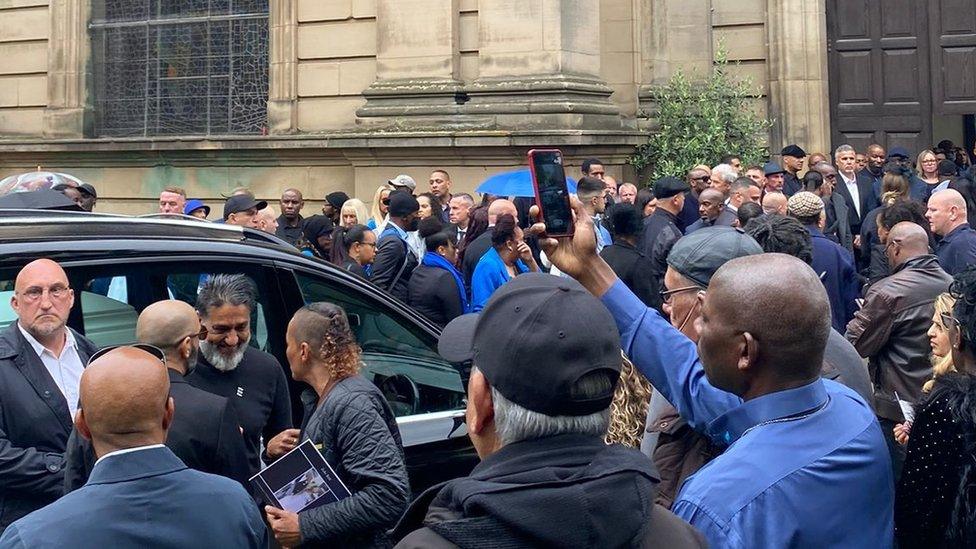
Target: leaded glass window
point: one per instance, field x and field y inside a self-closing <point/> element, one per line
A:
<point x="180" y="67"/>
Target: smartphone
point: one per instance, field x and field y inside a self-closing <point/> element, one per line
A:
<point x="551" y="192"/>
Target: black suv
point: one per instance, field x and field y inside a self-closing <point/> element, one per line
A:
<point x="119" y="265"/>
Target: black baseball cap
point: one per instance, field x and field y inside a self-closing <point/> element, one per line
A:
<point x="536" y="337"/>
<point x="898" y="152"/>
<point x="666" y="187"/>
<point x="402" y="204"/>
<point x="698" y="255"/>
<point x="793" y="150"/>
<point x="242" y="203"/>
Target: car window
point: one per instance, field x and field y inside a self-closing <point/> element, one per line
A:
<point x="399" y="356"/>
<point x="185" y="283"/>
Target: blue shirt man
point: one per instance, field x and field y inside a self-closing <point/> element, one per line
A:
<point x="805" y="464"/>
<point x="957" y="250"/>
<point x="947" y="214"/>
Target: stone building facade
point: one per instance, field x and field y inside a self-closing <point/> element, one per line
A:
<point x="360" y="90"/>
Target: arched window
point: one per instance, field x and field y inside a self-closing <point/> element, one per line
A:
<point x="179" y="67"/>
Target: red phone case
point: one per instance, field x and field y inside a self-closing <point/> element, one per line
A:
<point x="538" y="200"/>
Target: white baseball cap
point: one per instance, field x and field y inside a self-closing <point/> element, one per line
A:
<point x="403" y="180"/>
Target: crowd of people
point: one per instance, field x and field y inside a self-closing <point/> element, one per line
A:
<point x="808" y="329"/>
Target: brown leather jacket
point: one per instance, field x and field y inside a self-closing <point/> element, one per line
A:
<point x="890" y="331"/>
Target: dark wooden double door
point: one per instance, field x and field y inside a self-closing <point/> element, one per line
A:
<point x="893" y="63"/>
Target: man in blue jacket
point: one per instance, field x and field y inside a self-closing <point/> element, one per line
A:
<point x="139" y="493"/>
<point x="806" y="462"/>
<point x="832" y="263"/>
<point x="947" y="218"/>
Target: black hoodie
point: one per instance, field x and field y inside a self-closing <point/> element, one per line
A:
<point x="567" y="491"/>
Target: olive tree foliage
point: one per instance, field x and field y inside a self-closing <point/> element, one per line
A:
<point x="699" y="121"/>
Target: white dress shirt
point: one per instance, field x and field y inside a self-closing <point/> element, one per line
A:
<point x="66" y="369"/>
<point x="855" y="194"/>
<point x="129" y="450"/>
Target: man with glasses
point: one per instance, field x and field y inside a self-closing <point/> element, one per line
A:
<point x="230" y="367"/>
<point x="890" y="328"/>
<point x="41" y="362"/>
<point x="205" y="433"/>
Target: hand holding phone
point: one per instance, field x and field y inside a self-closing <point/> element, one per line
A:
<point x="551" y="191"/>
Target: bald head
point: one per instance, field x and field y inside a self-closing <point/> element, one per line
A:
<point x="711" y="194"/>
<point x="774" y="203"/>
<point x="125" y="401"/>
<point x="43" y="300"/>
<point x="746" y="316"/>
<point x="501" y="207"/>
<point x="907" y="240"/>
<point x="164" y="323"/>
<point x="946" y="211"/>
<point x="39" y="269"/>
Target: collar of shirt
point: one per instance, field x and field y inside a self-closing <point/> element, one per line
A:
<point x="396" y="228"/>
<point x="40" y="349"/>
<point x="129" y="451"/>
<point x="781" y="405"/>
<point x="954" y="233"/>
<point x="848" y="182"/>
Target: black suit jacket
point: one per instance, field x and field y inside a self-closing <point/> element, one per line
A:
<point x="205" y="435"/>
<point x="726" y="218"/>
<point x="472" y="255"/>
<point x="865" y="191"/>
<point x="393" y="265"/>
<point x="34" y="427"/>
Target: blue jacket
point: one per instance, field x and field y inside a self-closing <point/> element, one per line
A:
<point x="145" y="498"/>
<point x="489" y="275"/>
<point x="957" y="250"/>
<point x="835" y="267"/>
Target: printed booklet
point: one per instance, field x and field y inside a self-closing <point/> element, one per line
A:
<point x="299" y="480"/>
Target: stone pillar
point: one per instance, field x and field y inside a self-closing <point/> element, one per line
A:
<point x="798" y="93"/>
<point x="674" y="35"/>
<point x="417" y="63"/>
<point x="540" y="66"/>
<point x="68" y="114"/>
<point x="283" y="75"/>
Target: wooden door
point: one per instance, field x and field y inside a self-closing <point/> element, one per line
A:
<point x="952" y="25"/>
<point x="878" y="59"/>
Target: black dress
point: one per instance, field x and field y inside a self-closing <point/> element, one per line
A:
<point x="935" y="504"/>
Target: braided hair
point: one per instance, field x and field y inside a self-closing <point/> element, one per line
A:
<point x="325" y="327"/>
<point x="781" y="234"/>
<point x="963" y="288"/>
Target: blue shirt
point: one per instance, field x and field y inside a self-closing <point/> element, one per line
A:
<point x="957" y="250"/>
<point x="835" y="267"/>
<point x="489" y="275"/>
<point x="806" y="467"/>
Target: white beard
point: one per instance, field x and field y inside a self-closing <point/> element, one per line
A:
<point x="219" y="360"/>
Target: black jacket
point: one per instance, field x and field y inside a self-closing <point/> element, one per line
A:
<point x="630" y="266"/>
<point x="393" y="265"/>
<point x="726" y="218"/>
<point x="357" y="433"/>
<point x="205" y="435"/>
<point x="258" y="392"/>
<point x="472" y="255"/>
<point x="866" y="198"/>
<point x="434" y="293"/>
<point x="838" y="226"/>
<point x="568" y="491"/>
<point x="660" y="233"/>
<point x="34" y="427"/>
<point x="689" y="213"/>
<point x="890" y="331"/>
<point x="935" y="503"/>
<point x="353" y="267"/>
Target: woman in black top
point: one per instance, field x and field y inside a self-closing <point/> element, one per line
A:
<point x="354" y="249"/>
<point x="436" y="288"/>
<point x="935" y="504"/>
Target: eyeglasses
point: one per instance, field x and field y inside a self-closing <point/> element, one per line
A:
<point x="948" y="321"/>
<point x="666" y="295"/>
<point x="703" y="179"/>
<point x="151" y="349"/>
<point x="35" y="293"/>
<point x="201" y="335"/>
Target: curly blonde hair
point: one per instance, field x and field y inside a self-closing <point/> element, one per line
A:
<point x="629" y="408"/>
<point x="325" y="327"/>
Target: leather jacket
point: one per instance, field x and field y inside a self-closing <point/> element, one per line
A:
<point x="890" y="331"/>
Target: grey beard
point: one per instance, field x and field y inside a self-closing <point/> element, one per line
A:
<point x="220" y="362"/>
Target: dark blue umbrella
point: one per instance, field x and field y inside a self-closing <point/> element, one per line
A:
<point x="516" y="183"/>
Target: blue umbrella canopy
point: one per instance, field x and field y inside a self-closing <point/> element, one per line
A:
<point x="515" y="183"/>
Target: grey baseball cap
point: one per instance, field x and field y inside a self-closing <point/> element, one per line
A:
<point x="701" y="253"/>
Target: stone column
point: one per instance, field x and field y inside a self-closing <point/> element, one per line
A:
<point x="68" y="114"/>
<point x="283" y="75"/>
<point x="417" y="65"/>
<point x="540" y="66"/>
<point x="674" y="35"/>
<point x="798" y="93"/>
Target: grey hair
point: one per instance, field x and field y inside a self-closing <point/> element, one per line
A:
<point x="514" y="423"/>
<point x="843" y="149"/>
<point x="726" y="172"/>
<point x="226" y="289"/>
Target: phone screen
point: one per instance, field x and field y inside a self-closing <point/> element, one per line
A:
<point x="552" y="195"/>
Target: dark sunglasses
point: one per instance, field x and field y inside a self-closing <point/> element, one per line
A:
<point x="151" y="349"/>
<point x="948" y="321"/>
<point x="702" y="178"/>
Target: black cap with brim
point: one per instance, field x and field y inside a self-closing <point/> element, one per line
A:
<point x="666" y="187"/>
<point x="242" y="203"/>
<point x="536" y="337"/>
